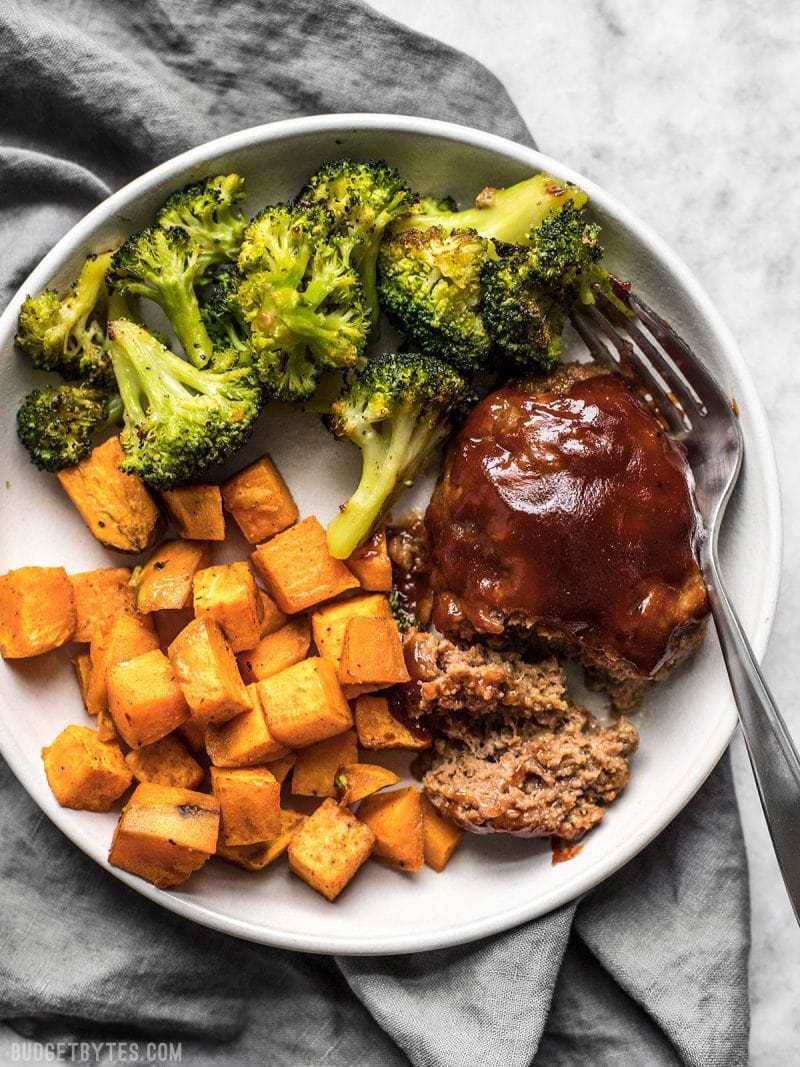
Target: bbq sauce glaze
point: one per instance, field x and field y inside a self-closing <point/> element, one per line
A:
<point x="573" y="510"/>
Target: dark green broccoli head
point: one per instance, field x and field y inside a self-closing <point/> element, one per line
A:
<point x="398" y="410"/>
<point x="429" y="282"/>
<point x="179" y="420"/>
<point x="565" y="247"/>
<point x="301" y="299"/>
<point x="164" y="266"/>
<point x="57" y="424"/>
<point x="205" y="212"/>
<point x="524" y="315"/>
<point x="66" y="334"/>
<point x="219" y="308"/>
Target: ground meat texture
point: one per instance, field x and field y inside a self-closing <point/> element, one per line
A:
<point x="502" y="774"/>
<point x="475" y="680"/>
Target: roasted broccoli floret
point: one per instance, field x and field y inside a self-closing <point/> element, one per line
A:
<point x="179" y="420"/>
<point x="164" y="265"/>
<point x="301" y="299"/>
<point x="398" y="409"/>
<point x="220" y="311"/>
<point x="206" y="214"/>
<point x="67" y="334"/>
<point x="57" y="424"/>
<point x="363" y="199"/>
<point x="521" y="255"/>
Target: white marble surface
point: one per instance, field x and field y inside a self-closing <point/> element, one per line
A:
<point x="688" y="111"/>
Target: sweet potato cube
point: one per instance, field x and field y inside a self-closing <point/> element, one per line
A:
<point x="370" y="563"/>
<point x="272" y="618"/>
<point x="165" y="833"/>
<point x="144" y="698"/>
<point x="164" y="583"/>
<point x="256" y="857"/>
<point x="277" y="651"/>
<point x="207" y="671"/>
<point x="329" y="848"/>
<point x="196" y="511"/>
<point x="244" y="740"/>
<point x="82" y="665"/>
<point x="396" y="820"/>
<point x="250" y="804"/>
<point x="228" y="594"/>
<point x="304" y="703"/>
<point x="100" y="595"/>
<point x="106" y="730"/>
<point x="259" y="501"/>
<point x="85" y="772"/>
<point x="166" y="762"/>
<point x="193" y="732"/>
<point x="372" y="653"/>
<point x="37" y="611"/>
<point x="115" y="641"/>
<point x="328" y="623"/>
<point x="378" y="728"/>
<point x="281" y="767"/>
<point x="316" y="766"/>
<point x="354" y="781"/>
<point x="440" y="837"/>
<point x="298" y="570"/>
<point x="116" y="507"/>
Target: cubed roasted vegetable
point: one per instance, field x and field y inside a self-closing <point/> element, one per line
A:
<point x="166" y="762"/>
<point x="316" y="766"/>
<point x="164" y="583"/>
<point x="196" y="511"/>
<point x="256" y="857"/>
<point x="370" y="563"/>
<point x="82" y="665"/>
<point x="115" y="641"/>
<point x="259" y="501"/>
<point x="299" y="571"/>
<point x="281" y="767"/>
<point x="85" y="772"/>
<point x="378" y="728"/>
<point x="304" y="703"/>
<point x="272" y="618"/>
<point x="106" y="730"/>
<point x="165" y="833"/>
<point x="372" y="653"/>
<point x="396" y="821"/>
<point x="354" y="781"/>
<point x="37" y="611"/>
<point x="100" y="596"/>
<point x="440" y="837"/>
<point x="244" y="740"/>
<point x="229" y="595"/>
<point x="194" y="732"/>
<point x="115" y="506"/>
<point x="329" y="848"/>
<point x="329" y="623"/>
<point x="207" y="671"/>
<point x="277" y="651"/>
<point x="144" y="698"/>
<point x="250" y="804"/>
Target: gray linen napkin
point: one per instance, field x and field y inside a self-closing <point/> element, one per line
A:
<point x="650" y="968"/>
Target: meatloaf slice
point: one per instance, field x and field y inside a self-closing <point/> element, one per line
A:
<point x="510" y="775"/>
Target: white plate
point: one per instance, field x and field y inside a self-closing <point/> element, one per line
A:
<point x="492" y="883"/>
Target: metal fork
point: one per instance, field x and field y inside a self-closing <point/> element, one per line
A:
<point x="639" y="344"/>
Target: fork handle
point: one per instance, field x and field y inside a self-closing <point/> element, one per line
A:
<point x="773" y="756"/>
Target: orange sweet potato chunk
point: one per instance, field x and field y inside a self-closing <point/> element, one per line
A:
<point x="250" y="804"/>
<point x="85" y="772"/>
<point x="166" y="762"/>
<point x="207" y="672"/>
<point x="440" y="836"/>
<point x="354" y="781"/>
<point x="164" y="583"/>
<point x="372" y="653"/>
<point x="280" y="767"/>
<point x="298" y="570"/>
<point x="304" y="703"/>
<point x="378" y="728"/>
<point x="244" y="740"/>
<point x="115" y="641"/>
<point x="316" y="766"/>
<point x="117" y="507"/>
<point x="144" y="698"/>
<point x="228" y="594"/>
<point x="272" y="618"/>
<point x="256" y="857"/>
<point x="370" y="563"/>
<point x="277" y="651"/>
<point x="99" y="596"/>
<point x="196" y="511"/>
<point x="396" y="820"/>
<point x="165" y="833"/>
<point x="259" y="501"/>
<point x="329" y="848"/>
<point x="37" y="611"/>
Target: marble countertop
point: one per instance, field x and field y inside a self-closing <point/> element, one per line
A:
<point x="687" y="111"/>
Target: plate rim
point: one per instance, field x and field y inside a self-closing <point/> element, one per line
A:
<point x="761" y="443"/>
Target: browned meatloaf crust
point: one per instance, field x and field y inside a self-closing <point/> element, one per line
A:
<point x="511" y="755"/>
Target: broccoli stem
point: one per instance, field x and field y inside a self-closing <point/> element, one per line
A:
<point x="383" y="459"/>
<point x="184" y="314"/>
